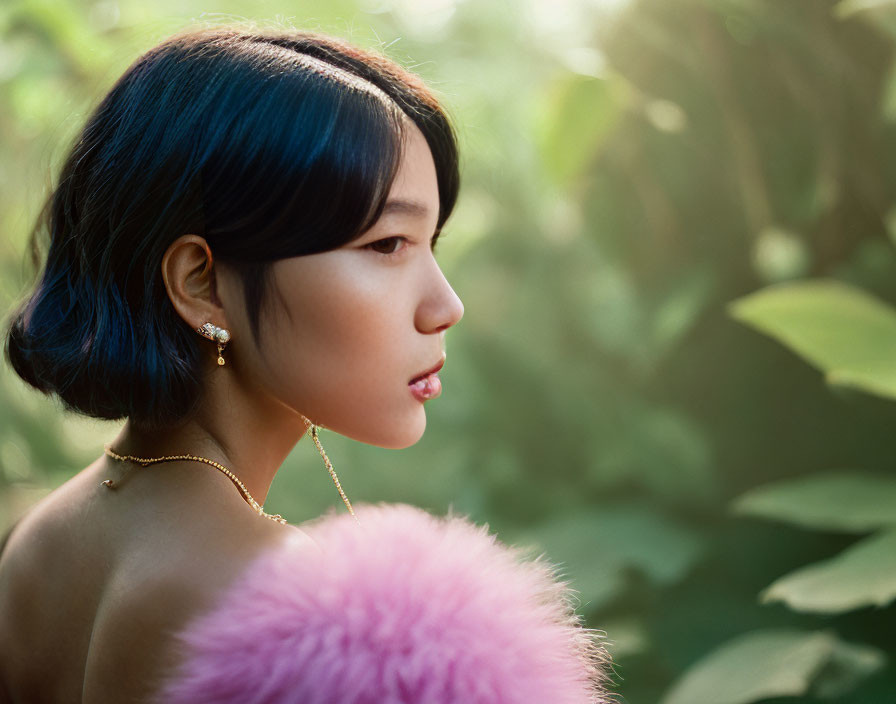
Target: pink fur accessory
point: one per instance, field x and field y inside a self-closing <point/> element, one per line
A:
<point x="406" y="608"/>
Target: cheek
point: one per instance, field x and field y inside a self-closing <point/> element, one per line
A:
<point x="344" y="355"/>
<point x="348" y="325"/>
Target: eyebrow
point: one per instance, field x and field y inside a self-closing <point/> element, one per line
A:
<point x="405" y="207"/>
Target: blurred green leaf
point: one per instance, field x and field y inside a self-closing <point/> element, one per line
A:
<point x="847" y="8"/>
<point x="581" y="112"/>
<point x="629" y="637"/>
<point x="679" y="308"/>
<point x="862" y="575"/>
<point x="597" y="548"/>
<point x="659" y="448"/>
<point x="848" y="334"/>
<point x="880" y="14"/>
<point x="849" y="665"/>
<point x="770" y="663"/>
<point x="853" y="501"/>
<point x="889" y="112"/>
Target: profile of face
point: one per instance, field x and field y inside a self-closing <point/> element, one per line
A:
<point x="348" y="329"/>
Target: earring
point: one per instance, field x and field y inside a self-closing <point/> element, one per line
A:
<point x="320" y="448"/>
<point x="216" y="334"/>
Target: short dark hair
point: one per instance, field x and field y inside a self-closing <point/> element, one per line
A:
<point x="268" y="144"/>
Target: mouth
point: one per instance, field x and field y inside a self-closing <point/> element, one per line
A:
<point x="427" y="385"/>
<point x="431" y="370"/>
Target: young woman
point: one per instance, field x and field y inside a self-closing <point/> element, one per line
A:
<point x="240" y="251"/>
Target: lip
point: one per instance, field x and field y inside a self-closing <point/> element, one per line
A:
<point x="431" y="370"/>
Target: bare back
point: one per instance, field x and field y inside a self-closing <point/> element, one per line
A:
<point x="94" y="581"/>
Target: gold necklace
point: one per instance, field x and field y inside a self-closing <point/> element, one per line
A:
<point x="257" y="507"/>
<point x="146" y="461"/>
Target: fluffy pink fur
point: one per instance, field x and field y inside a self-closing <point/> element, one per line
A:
<point x="405" y="608"/>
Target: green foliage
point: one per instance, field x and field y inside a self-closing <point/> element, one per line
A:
<point x="583" y="111"/>
<point x="601" y="545"/>
<point x="775" y="663"/>
<point x="862" y="575"/>
<point x="845" y="332"/>
<point x="837" y="501"/>
<point x="882" y="13"/>
<point x="851" y="337"/>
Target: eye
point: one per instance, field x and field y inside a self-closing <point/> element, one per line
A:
<point x="389" y="246"/>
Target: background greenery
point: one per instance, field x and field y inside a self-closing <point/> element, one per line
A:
<point x="677" y="366"/>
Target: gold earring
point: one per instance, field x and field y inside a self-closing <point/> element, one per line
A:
<point x="313" y="429"/>
<point x="218" y="335"/>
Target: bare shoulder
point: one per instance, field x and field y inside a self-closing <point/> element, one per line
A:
<point x="178" y="577"/>
<point x="124" y="571"/>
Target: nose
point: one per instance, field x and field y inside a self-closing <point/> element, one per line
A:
<point x="441" y="307"/>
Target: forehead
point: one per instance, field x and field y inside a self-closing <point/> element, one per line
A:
<point x="415" y="182"/>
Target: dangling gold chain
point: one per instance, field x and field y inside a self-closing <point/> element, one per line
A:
<point x="332" y="471"/>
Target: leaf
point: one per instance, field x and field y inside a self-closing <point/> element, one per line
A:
<point x="880" y="14"/>
<point x="679" y="308"/>
<point x="848" y="334"/>
<point x="850" y="664"/>
<point x="597" y="547"/>
<point x="769" y="663"/>
<point x="851" y="502"/>
<point x="862" y="575"/>
<point x="847" y="8"/>
<point x="659" y="448"/>
<point x="625" y="637"/>
<point x="582" y="111"/>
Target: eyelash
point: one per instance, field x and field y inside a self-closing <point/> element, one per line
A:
<point x="393" y="253"/>
<point x="397" y="252"/>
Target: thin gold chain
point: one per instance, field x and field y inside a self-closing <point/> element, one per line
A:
<point x="146" y="461"/>
<point x="332" y="471"/>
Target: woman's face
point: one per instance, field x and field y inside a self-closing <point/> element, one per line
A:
<point x="349" y="329"/>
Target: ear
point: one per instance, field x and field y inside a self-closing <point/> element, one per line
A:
<point x="189" y="275"/>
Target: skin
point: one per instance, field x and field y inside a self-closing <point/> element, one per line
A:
<point x="112" y="573"/>
<point x="346" y="331"/>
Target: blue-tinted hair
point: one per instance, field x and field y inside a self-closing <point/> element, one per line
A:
<point x="269" y="145"/>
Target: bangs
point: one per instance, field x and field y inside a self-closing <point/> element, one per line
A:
<point x="305" y="167"/>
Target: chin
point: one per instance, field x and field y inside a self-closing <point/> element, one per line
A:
<point x="396" y="436"/>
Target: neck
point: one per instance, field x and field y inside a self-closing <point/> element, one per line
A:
<point x="244" y="433"/>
